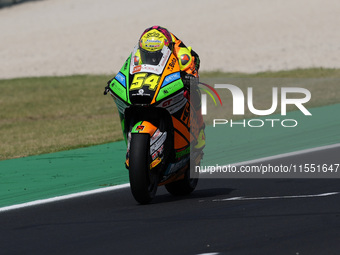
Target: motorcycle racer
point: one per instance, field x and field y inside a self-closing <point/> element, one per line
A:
<point x="151" y="43"/>
<point x="162" y="124"/>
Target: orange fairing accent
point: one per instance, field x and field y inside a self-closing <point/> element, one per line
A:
<point x="167" y="70"/>
<point x="148" y="128"/>
<point x="180" y="142"/>
<point x="181" y="131"/>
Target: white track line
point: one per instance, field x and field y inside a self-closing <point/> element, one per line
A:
<point x="60" y="198"/>
<point x="285" y="155"/>
<point x="126" y="185"/>
<point x="277" y="197"/>
<point x="210" y="253"/>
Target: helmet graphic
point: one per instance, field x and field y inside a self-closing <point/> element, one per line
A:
<point x="151" y="43"/>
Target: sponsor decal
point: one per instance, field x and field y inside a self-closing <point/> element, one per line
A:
<point x="172" y="64"/>
<point x="140" y="128"/>
<point x="155" y="163"/>
<point x="171" y="78"/>
<point x="157" y="144"/>
<point x="153" y="34"/>
<point x="153" y="41"/>
<point x="167" y="102"/>
<point x="137" y="68"/>
<point x="158" y="152"/>
<point x="141" y="92"/>
<point x="121" y="79"/>
<point x="153" y="45"/>
<point x="174" y="104"/>
<point x="155" y="136"/>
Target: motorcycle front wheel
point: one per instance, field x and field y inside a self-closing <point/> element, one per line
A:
<point x="143" y="183"/>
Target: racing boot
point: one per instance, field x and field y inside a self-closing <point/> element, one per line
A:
<point x="196" y="101"/>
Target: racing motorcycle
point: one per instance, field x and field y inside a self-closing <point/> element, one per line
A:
<point x="159" y="126"/>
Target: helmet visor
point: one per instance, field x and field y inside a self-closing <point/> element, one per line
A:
<point x="150" y="57"/>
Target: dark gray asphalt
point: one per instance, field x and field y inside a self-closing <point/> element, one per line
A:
<point x="112" y="223"/>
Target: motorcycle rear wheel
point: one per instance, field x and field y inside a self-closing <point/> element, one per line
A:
<point x="183" y="187"/>
<point x="143" y="183"/>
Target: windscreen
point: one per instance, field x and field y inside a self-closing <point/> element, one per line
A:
<point x="150" y="57"/>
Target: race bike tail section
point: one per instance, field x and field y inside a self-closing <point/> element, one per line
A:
<point x="158" y="124"/>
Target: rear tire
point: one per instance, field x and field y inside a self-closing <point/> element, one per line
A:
<point x="143" y="183"/>
<point x="183" y="187"/>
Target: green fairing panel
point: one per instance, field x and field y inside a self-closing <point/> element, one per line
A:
<point x="135" y="130"/>
<point x="119" y="85"/>
<point x="169" y="89"/>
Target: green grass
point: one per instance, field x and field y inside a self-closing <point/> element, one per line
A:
<point x="49" y="114"/>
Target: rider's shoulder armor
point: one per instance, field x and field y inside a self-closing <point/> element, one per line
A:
<point x="184" y="56"/>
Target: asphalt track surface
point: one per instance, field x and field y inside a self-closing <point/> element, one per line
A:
<point x="112" y="222"/>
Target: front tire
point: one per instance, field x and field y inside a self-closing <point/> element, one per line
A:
<point x="143" y="183"/>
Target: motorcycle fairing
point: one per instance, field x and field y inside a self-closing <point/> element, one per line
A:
<point x="157" y="140"/>
<point x="137" y="87"/>
<point x="120" y="83"/>
<point x="147" y="84"/>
